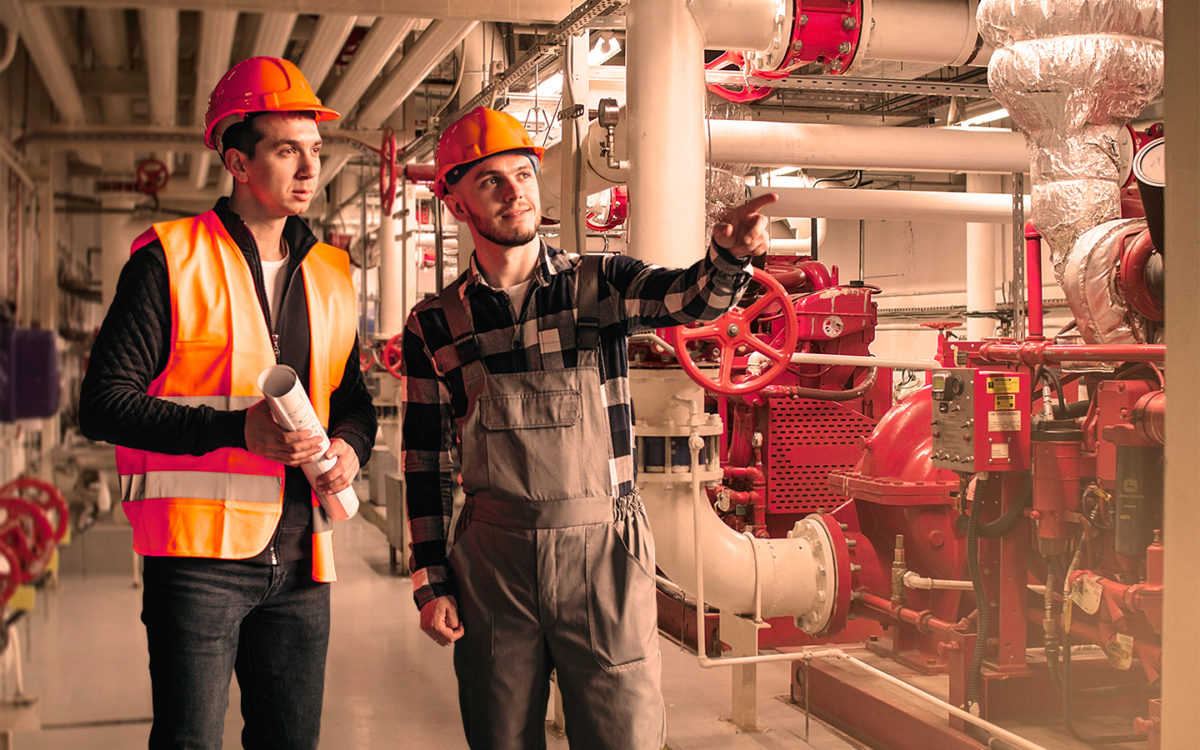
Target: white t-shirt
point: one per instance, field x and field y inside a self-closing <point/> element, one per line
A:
<point x="516" y="296"/>
<point x="274" y="278"/>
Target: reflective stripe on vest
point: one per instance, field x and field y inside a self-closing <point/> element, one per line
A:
<point x="226" y="503"/>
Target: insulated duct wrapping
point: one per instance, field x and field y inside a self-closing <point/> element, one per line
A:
<point x="1071" y="73"/>
<point x="1089" y="281"/>
<point x="724" y="184"/>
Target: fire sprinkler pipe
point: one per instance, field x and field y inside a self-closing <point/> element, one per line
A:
<point x="897" y="205"/>
<point x="1033" y="279"/>
<point x="1040" y="352"/>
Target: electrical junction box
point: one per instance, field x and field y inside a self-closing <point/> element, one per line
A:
<point x="980" y="420"/>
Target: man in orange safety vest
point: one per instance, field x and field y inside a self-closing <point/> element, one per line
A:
<point x="237" y="551"/>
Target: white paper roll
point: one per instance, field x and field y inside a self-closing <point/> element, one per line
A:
<point x="293" y="411"/>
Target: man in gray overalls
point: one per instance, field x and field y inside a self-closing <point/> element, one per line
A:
<point x="521" y="367"/>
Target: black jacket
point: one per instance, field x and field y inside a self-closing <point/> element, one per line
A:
<point x="131" y="350"/>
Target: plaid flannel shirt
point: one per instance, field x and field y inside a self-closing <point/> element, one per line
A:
<point x="633" y="296"/>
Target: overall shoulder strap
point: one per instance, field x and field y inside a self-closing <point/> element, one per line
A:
<point x="587" y="317"/>
<point x="465" y="342"/>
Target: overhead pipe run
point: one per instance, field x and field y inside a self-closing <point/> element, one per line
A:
<point x="427" y="53"/>
<point x="811" y="146"/>
<point x="895" y="205"/>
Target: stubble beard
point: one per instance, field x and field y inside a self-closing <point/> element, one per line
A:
<point x="513" y="238"/>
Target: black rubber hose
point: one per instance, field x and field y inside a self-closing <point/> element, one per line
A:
<point x="1005" y="523"/>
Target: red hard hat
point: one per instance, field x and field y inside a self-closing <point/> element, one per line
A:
<point x="261" y="84"/>
<point x="478" y="134"/>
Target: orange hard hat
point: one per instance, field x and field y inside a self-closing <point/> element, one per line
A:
<point x="480" y="133"/>
<point x="261" y="84"/>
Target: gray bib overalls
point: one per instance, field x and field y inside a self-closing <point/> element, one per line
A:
<point x="553" y="572"/>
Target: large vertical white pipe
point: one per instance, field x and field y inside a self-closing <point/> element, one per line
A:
<point x="983" y="245"/>
<point x="665" y="53"/>
<point x="391" y="279"/>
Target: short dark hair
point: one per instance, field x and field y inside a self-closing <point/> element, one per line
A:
<point x="244" y="135"/>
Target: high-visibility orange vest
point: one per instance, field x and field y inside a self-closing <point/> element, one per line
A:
<point x="226" y="504"/>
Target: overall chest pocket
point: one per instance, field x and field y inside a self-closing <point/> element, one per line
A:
<point x="540" y="446"/>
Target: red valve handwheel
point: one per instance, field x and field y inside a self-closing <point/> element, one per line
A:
<point x="9" y="579"/>
<point x="27" y="532"/>
<point x="366" y="360"/>
<point x="152" y="176"/>
<point x="46" y="497"/>
<point x="392" y="353"/>
<point x="735" y="330"/>
<point x="747" y="93"/>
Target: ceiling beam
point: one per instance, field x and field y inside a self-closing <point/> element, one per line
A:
<point x="49" y="57"/>
<point x="324" y="45"/>
<point x="274" y="30"/>
<point x="372" y="54"/>
<point x="216" y="44"/>
<point x="430" y="49"/>
<point x="504" y="11"/>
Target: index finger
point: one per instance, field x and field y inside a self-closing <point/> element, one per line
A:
<point x="757" y="202"/>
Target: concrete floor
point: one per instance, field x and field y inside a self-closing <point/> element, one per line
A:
<point x="82" y="651"/>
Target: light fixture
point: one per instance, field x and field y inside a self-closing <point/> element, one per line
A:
<point x="985" y="117"/>
<point x="605" y="48"/>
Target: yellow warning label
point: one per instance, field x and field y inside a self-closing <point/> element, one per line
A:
<point x="1005" y="402"/>
<point x="1003" y="384"/>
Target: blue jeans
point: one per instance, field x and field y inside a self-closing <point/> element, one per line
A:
<point x="207" y="619"/>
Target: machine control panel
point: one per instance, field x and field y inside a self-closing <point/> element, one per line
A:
<point x="980" y="420"/>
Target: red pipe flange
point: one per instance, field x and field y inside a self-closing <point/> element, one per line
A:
<point x="616" y="213"/>
<point x="827" y="32"/>
<point x="1131" y="277"/>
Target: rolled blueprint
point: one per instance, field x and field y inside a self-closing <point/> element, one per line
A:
<point x="293" y="411"/>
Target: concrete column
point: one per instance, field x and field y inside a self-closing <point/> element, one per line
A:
<point x="1181" y="663"/>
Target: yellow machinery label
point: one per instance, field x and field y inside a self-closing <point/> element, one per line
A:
<point x="1003" y="384"/>
<point x="1006" y="402"/>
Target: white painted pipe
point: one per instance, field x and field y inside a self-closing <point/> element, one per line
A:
<point x="373" y="53"/>
<point x="741" y="24"/>
<point x="897" y="205"/>
<point x="983" y="248"/>
<point x="818" y="146"/>
<point x="435" y="42"/>
<point x="934" y="31"/>
<point x="391" y="279"/>
<point x="665" y="52"/>
<point x="779" y="144"/>
<point x="747" y="576"/>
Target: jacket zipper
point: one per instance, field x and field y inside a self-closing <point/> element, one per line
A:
<point x="264" y="303"/>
